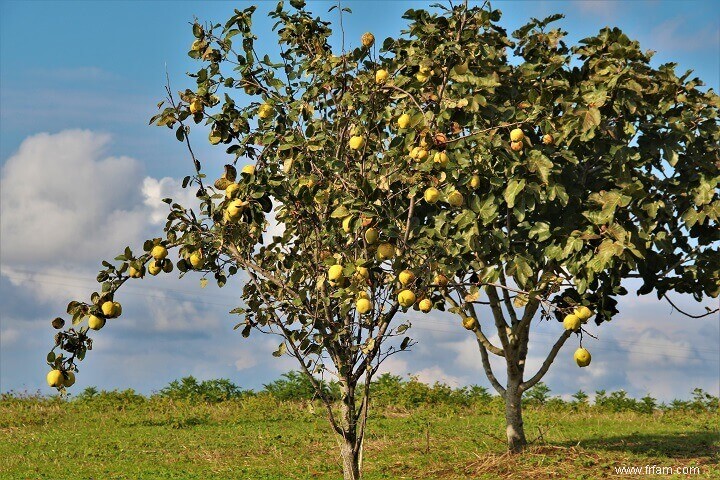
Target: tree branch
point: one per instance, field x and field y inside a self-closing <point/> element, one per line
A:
<point x="488" y="370"/>
<point x="709" y="312"/>
<point x="478" y="331"/>
<point x="548" y="361"/>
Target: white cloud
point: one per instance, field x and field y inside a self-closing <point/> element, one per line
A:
<point x="245" y="360"/>
<point x="155" y="190"/>
<point x="63" y="201"/>
<point x="434" y="374"/>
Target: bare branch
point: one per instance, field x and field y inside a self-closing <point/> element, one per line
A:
<point x="709" y="312"/>
<point x="548" y="361"/>
<point x="478" y="330"/>
<point x="488" y="370"/>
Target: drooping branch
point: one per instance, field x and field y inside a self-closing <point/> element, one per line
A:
<point x="709" y="312"/>
<point x="546" y="364"/>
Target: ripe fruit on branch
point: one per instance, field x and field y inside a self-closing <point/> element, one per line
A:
<point x="441" y="158"/>
<point x="347" y="224"/>
<point x="335" y="272"/>
<point x="455" y="198"/>
<point x="371" y="235"/>
<point x="232" y="190"/>
<point x="196" y="106"/>
<point x="249" y="169"/>
<point x="381" y="76"/>
<point x="475" y="181"/>
<point x="363" y="306"/>
<point x="406" y="298"/>
<point x="55" y="378"/>
<point x="265" y="110"/>
<point x="197" y="260"/>
<point x="425" y="305"/>
<point x="385" y="251"/>
<point x="469" y="323"/>
<point x="403" y="120"/>
<point x="111" y="309"/>
<point x="583" y="313"/>
<point x="548" y="139"/>
<point x="572" y="322"/>
<point x="362" y="273"/>
<point x="159" y="252"/>
<point x="356" y="142"/>
<point x="441" y="280"/>
<point x="95" y="322"/>
<point x="516" y="135"/>
<point x="154" y="268"/>
<point x="235" y="208"/>
<point x="516" y="146"/>
<point x="367" y="39"/>
<point x="136" y="272"/>
<point x="406" y="277"/>
<point x="582" y="357"/>
<point x="432" y="195"/>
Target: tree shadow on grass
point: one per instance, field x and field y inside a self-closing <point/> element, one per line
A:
<point x="681" y="445"/>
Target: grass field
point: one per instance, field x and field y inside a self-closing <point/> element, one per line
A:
<point x="262" y="438"/>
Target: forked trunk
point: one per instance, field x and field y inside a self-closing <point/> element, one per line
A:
<point x="513" y="417"/>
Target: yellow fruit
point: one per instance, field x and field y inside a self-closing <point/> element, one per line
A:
<point x="441" y="280"/>
<point x="159" y="252"/>
<point x="406" y="298"/>
<point x="406" y="277"/>
<point x="197" y="260"/>
<point x="381" y="76"/>
<point x="108" y="309"/>
<point x="469" y="323"/>
<point x="69" y="379"/>
<point x="516" y="146"/>
<point x="232" y="190"/>
<point x="362" y="295"/>
<point x="95" y="322"/>
<point x="235" y="208"/>
<point x="196" y="106"/>
<point x="475" y="181"/>
<point x="432" y="195"/>
<point x="425" y="70"/>
<point x="583" y="313"/>
<point x="362" y="273"/>
<point x="516" y="135"/>
<point x="357" y="142"/>
<point x="347" y="224"/>
<point x="363" y="306"/>
<point x="419" y="153"/>
<point x="441" y="158"/>
<point x="455" y="198"/>
<point x="385" y="251"/>
<point x="582" y="357"/>
<point x="371" y="235"/>
<point x="461" y="68"/>
<point x="548" y="139"/>
<point x="249" y="169"/>
<point x="55" y="378"/>
<point x="335" y="272"/>
<point x="136" y="273"/>
<point x="422" y="77"/>
<point x="404" y="120"/>
<point x="572" y="322"/>
<point x="118" y="309"/>
<point x="425" y="305"/>
<point x="154" y="268"/>
<point x="367" y="39"/>
<point x="265" y="110"/>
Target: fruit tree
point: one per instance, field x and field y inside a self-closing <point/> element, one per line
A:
<point x="412" y="175"/>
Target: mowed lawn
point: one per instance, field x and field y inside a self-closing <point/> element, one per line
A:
<point x="262" y="438"/>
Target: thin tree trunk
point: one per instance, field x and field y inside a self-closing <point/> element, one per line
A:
<point x="513" y="416"/>
<point x="349" y="440"/>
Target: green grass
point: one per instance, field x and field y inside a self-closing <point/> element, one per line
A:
<point x="262" y="438"/>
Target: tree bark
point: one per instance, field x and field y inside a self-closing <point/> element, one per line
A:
<point x="349" y="440"/>
<point x="513" y="415"/>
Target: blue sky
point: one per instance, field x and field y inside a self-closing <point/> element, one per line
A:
<point x="83" y="173"/>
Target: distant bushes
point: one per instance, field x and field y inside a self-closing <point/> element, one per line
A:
<point x="389" y="391"/>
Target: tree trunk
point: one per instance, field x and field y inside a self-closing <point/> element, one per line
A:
<point x="349" y="440"/>
<point x="350" y="459"/>
<point x="513" y="416"/>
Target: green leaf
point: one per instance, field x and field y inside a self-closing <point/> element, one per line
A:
<point x="540" y="164"/>
<point x="541" y="230"/>
<point x="280" y="351"/>
<point x="512" y="190"/>
<point x="340" y="212"/>
<point x="589" y="118"/>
